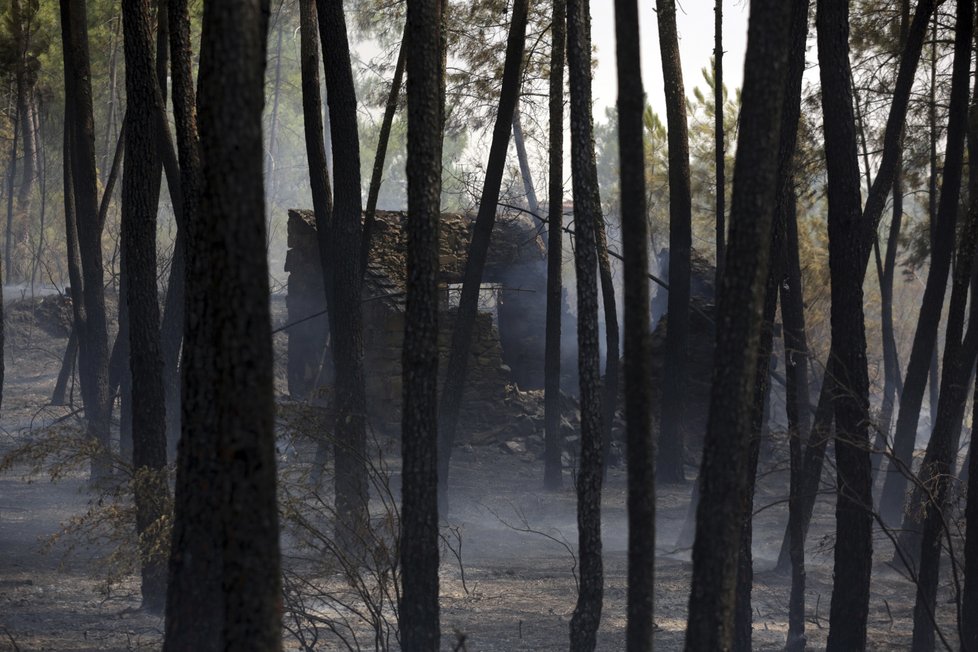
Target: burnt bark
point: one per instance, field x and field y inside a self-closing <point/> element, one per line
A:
<point x="783" y="212"/>
<point x="587" y="214"/>
<point x="228" y="535"/>
<point x="346" y="233"/>
<point x="638" y="351"/>
<point x="924" y="343"/>
<point x="671" y="450"/>
<point x="552" y="472"/>
<point x="139" y="209"/>
<point x="609" y="385"/>
<point x="720" y="163"/>
<point x="853" y="549"/>
<point x="723" y="483"/>
<point x="418" y="614"/>
<point x="942" y="448"/>
<point x="91" y="321"/>
<point x="377" y="175"/>
<point x="458" y="357"/>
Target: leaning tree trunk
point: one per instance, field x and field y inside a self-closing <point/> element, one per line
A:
<point x="468" y="305"/>
<point x="418" y="613"/>
<point x="380" y="158"/>
<point x="723" y="476"/>
<point x="921" y="354"/>
<point x="524" y="161"/>
<point x="587" y="212"/>
<point x="671" y="436"/>
<point x="554" y="445"/>
<point x="228" y="384"/>
<point x="942" y="448"/>
<point x="346" y="233"/>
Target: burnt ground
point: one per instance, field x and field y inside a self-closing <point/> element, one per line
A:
<point x="517" y="548"/>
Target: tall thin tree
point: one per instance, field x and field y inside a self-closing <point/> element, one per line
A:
<point x="638" y="354"/>
<point x="90" y="319"/>
<point x="418" y="614"/>
<point x="468" y="304"/>
<point x="587" y="213"/>
<point x="227" y="360"/>
<point x="552" y="474"/>
<point x="346" y="233"/>
<point x="723" y="482"/>
<point x="671" y="435"/>
<point x="139" y="209"/>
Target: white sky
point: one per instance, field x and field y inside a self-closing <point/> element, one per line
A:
<point x="694" y="22"/>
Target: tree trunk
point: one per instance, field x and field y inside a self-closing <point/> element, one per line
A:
<point x="784" y="211"/>
<point x="418" y="613"/>
<point x="377" y="175"/>
<point x="853" y="549"/>
<point x="276" y="91"/>
<point x="638" y="351"/>
<point x="188" y="142"/>
<point x="671" y="453"/>
<point x="799" y="420"/>
<point x="139" y="210"/>
<point x="723" y="483"/>
<point x="554" y="445"/>
<point x="92" y="329"/>
<point x="322" y="193"/>
<point x="942" y="448"/>
<point x="346" y="233"/>
<point x="227" y="372"/>
<point x="8" y="238"/>
<point x="587" y="214"/>
<point x="524" y="161"/>
<point x="609" y="399"/>
<point x="720" y="160"/>
<point x="458" y="358"/>
<point x="921" y="354"/>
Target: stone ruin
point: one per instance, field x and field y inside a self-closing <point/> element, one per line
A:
<point x="508" y="345"/>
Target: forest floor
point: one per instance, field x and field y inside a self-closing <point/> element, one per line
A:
<point x="514" y="589"/>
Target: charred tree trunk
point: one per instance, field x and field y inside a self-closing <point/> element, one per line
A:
<point x="377" y="175"/>
<point x="611" y="381"/>
<point x="921" y="355"/>
<point x="346" y="233"/>
<point x="418" y="614"/>
<point x="187" y="149"/>
<point x="671" y="453"/>
<point x="723" y="476"/>
<point x="942" y="448"/>
<point x="720" y="160"/>
<point x="783" y="212"/>
<point x="587" y="214"/>
<point x="228" y="425"/>
<point x="638" y="351"/>
<point x="853" y="550"/>
<point x="319" y="185"/>
<point x="92" y="330"/>
<point x="554" y="446"/>
<point x="139" y="210"/>
<point x="455" y="374"/>
<point x="799" y="420"/>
